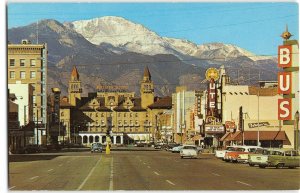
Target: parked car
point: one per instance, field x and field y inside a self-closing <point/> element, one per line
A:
<point x="96" y="147"/>
<point x="241" y="153"/>
<point x="177" y="149"/>
<point x="157" y="146"/>
<point x="170" y="146"/>
<point x="30" y="149"/>
<point x="261" y="156"/>
<point x="189" y="151"/>
<point x="221" y="153"/>
<point x="287" y="158"/>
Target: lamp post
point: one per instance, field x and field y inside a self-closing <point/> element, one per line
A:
<point x="296" y="131"/>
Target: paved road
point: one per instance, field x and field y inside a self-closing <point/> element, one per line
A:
<point x="141" y="170"/>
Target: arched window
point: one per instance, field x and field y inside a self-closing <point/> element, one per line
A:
<point x="84" y="139"/>
<point x="62" y="114"/>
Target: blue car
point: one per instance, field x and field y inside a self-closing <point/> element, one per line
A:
<point x="96" y="147"/>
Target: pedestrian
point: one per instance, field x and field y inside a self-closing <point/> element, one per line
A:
<point x="202" y="144"/>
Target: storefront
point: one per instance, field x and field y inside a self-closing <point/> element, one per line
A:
<point x="266" y="138"/>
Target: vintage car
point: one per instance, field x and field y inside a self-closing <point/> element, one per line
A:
<point x="287" y="158"/>
<point x="221" y="153"/>
<point x="96" y="147"/>
<point x="177" y="149"/>
<point x="239" y="151"/>
<point x="189" y="151"/>
<point x="261" y="156"/>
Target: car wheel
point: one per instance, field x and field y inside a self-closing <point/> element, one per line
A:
<point x="251" y="165"/>
<point x="181" y="157"/>
<point x="26" y="152"/>
<point x="280" y="165"/>
<point x="291" y="167"/>
<point x="262" y="166"/>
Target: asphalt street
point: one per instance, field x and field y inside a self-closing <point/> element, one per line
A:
<point x="141" y="170"/>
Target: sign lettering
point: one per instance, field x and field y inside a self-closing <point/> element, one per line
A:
<point x="284" y="109"/>
<point x="284" y="82"/>
<point x="284" y="56"/>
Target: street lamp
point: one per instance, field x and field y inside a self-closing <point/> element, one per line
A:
<point x="296" y="131"/>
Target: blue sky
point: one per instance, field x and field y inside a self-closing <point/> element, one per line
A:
<point x="253" y="26"/>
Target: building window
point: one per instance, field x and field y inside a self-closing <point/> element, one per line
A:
<point x="33" y="99"/>
<point x="12" y="74"/>
<point x="32" y="74"/>
<point x="62" y="114"/>
<point x="32" y="62"/>
<point x="146" y="114"/>
<point x="119" y="114"/>
<point x="22" y="75"/>
<point x="124" y="114"/>
<point x="102" y="114"/>
<point x="136" y="115"/>
<point x="22" y="62"/>
<point x="130" y="114"/>
<point x="11" y="62"/>
<point x="96" y="114"/>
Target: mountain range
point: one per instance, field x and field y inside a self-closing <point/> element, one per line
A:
<point x="114" y="51"/>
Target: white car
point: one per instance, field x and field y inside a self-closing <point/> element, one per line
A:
<point x="177" y="149"/>
<point x="189" y="151"/>
<point x="221" y="153"/>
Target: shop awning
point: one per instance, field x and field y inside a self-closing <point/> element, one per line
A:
<point x="253" y="135"/>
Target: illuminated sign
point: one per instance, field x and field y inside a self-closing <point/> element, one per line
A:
<point x="214" y="129"/>
<point x="253" y="125"/>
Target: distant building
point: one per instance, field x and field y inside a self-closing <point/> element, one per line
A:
<point x="112" y="110"/>
<point x="27" y="64"/>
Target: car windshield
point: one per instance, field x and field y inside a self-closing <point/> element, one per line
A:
<point x="189" y="147"/>
<point x="276" y="153"/>
<point x="230" y="148"/>
<point x="240" y="149"/>
<point x="96" y="145"/>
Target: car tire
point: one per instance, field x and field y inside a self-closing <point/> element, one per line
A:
<point x="181" y="157"/>
<point x="262" y="166"/>
<point x="280" y="165"/>
<point x="251" y="165"/>
<point x="291" y="167"/>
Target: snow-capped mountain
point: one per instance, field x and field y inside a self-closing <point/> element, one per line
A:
<point x="132" y="37"/>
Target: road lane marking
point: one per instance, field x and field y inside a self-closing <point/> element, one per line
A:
<point x="50" y="170"/>
<point x="12" y="187"/>
<point x="176" y="161"/>
<point x="111" y="178"/>
<point x="170" y="182"/>
<point x="61" y="165"/>
<point x="216" y="174"/>
<point x="34" y="177"/>
<point x="148" y="166"/>
<point x="156" y="173"/>
<point x="243" y="183"/>
<point x="92" y="170"/>
<point x="144" y="163"/>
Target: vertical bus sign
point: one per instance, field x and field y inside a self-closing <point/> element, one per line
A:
<point x="284" y="82"/>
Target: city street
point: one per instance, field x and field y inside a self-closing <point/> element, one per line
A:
<point x="141" y="170"/>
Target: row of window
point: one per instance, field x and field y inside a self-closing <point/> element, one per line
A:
<point x="12" y="75"/>
<point x="119" y="115"/>
<point x="119" y="130"/>
<point x="22" y="62"/>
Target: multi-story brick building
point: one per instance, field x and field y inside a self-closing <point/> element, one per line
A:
<point x="27" y="64"/>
